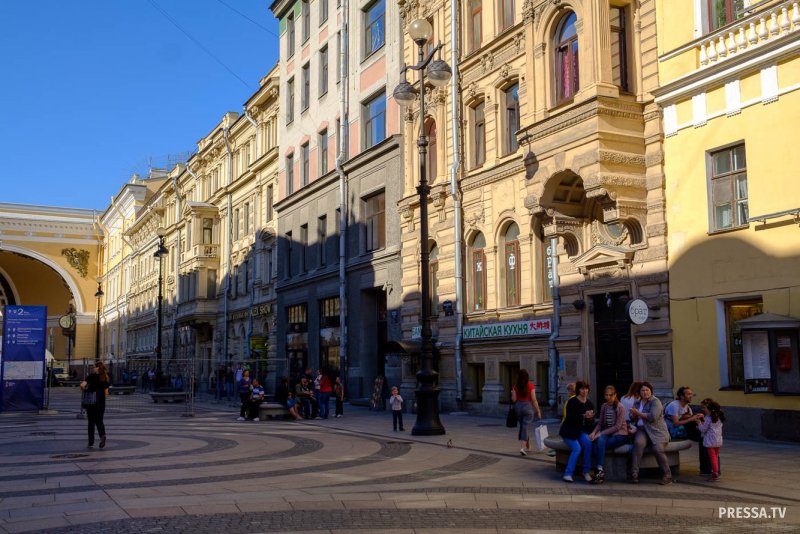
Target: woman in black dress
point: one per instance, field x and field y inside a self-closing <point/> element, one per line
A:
<point x="97" y="382"/>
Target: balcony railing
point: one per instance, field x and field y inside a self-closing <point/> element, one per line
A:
<point x="750" y="32"/>
<point x="201" y="251"/>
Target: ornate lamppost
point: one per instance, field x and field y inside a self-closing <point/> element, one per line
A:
<point x="98" y="296"/>
<point x="159" y="253"/>
<point x="420" y="31"/>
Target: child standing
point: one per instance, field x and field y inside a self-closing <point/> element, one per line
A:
<point x="711" y="430"/>
<point x="396" y="402"/>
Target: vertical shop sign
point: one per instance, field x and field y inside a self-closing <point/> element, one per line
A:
<point x="23" y="366"/>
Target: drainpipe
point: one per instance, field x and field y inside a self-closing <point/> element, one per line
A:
<point x="454" y="192"/>
<point x="343" y="197"/>
<point x="178" y="261"/>
<point x="551" y="345"/>
<point x="225" y="132"/>
<point x="255" y="125"/>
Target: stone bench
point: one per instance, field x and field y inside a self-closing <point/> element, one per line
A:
<point x="272" y="410"/>
<point x="166" y="396"/>
<point x="122" y="390"/>
<point x="617" y="462"/>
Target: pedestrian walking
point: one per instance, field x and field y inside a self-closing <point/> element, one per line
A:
<point x="396" y="402"/>
<point x="523" y="395"/>
<point x="96" y="383"/>
<point x="244" y="394"/>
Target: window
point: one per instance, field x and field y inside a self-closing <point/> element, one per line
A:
<point x="329" y="333"/>
<point x="510" y="271"/>
<point x="290" y="37"/>
<point x="246" y="218"/>
<point x="208" y="229"/>
<point x="723" y="12"/>
<point x="323" y="152"/>
<point x="479" y="134"/>
<point x="619" y="51"/>
<point x="512" y="118"/>
<point x="430" y="133"/>
<point x="475" y="24"/>
<point x="477" y="259"/>
<point x="290" y="101"/>
<point x="507" y="13"/>
<point x="323" y="11"/>
<point x="305" y="155"/>
<point x="433" y="271"/>
<point x="729" y="188"/>
<point x="323" y="70"/>
<point x="236" y="222"/>
<point x="290" y="175"/>
<point x="305" y="96"/>
<point x="270" y="203"/>
<point x="736" y="311"/>
<point x="374" y="29"/>
<point x="306" y="14"/>
<point x="375" y="221"/>
<point x="303" y="248"/>
<point x="322" y="237"/>
<point x="289" y="246"/>
<point x="567" y="59"/>
<point x="375" y="120"/>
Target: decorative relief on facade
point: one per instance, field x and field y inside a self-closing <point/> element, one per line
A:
<point x="622" y="158"/>
<point x="504" y="70"/>
<point x="528" y="13"/>
<point x="571" y="368"/>
<point x="655" y="367"/>
<point x="487" y="62"/>
<point x="477" y="218"/>
<point x="77" y="259"/>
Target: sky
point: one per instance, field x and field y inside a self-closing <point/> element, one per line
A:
<point x="92" y="91"/>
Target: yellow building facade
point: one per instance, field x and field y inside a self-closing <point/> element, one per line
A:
<point x="730" y="95"/>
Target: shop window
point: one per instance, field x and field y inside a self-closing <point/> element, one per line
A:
<point x="566" y="60"/>
<point x="297" y="339"/>
<point x="728" y="189"/>
<point x="329" y="332"/>
<point x="736" y="311"/>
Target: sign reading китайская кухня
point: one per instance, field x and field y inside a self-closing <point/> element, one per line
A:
<point x="517" y="328"/>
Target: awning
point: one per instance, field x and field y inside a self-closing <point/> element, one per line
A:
<point x="767" y="321"/>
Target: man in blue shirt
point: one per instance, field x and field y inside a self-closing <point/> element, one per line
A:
<point x="256" y="398"/>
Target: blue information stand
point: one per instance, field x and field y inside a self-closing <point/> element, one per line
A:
<point x="23" y="367"/>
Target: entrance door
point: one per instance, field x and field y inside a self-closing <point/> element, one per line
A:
<point x="612" y="344"/>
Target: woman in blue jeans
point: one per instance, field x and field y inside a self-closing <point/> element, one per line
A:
<point x="610" y="432"/>
<point x="578" y="422"/>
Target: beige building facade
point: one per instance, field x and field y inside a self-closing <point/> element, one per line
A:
<point x="562" y="188"/>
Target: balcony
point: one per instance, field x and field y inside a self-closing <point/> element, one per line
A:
<point x="750" y="32"/>
<point x="201" y="255"/>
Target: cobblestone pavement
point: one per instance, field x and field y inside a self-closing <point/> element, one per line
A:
<point x="163" y="472"/>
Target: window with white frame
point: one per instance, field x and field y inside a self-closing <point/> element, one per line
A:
<point x="728" y="188"/>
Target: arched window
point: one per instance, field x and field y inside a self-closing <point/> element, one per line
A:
<point x="566" y="47"/>
<point x="430" y="133"/>
<point x="510" y="271"/>
<point x="433" y="270"/>
<point x="477" y="259"/>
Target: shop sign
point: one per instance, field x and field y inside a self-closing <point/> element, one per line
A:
<point x="258" y="343"/>
<point x="416" y="332"/>
<point x="757" y="374"/>
<point x="501" y="330"/>
<point x="257" y="311"/>
<point x="638" y="311"/>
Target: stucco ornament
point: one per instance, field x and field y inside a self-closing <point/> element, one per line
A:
<point x="77" y="259"/>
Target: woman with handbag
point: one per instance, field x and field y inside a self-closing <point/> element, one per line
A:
<point x="95" y="389"/>
<point x="524" y="398"/>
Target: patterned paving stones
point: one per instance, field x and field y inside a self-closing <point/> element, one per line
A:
<point x="165" y="472"/>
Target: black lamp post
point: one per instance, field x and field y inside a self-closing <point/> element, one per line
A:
<point x="159" y="253"/>
<point x="420" y="30"/>
<point x="98" y="296"/>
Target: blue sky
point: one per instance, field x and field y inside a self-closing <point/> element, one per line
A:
<point x="92" y="91"/>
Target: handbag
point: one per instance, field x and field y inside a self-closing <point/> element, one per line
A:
<point x="540" y="433"/>
<point x="89" y="398"/>
<point x="511" y="418"/>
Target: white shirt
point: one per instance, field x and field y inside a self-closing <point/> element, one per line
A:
<point x="675" y="408"/>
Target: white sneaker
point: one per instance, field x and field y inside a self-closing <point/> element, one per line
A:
<point x="256" y="419"/>
<point x="522" y="452"/>
<point x="240" y="418"/>
<point x="568" y="478"/>
<point x="587" y="477"/>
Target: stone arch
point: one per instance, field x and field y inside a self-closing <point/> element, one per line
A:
<point x="65" y="276"/>
<point x="8" y="292"/>
<point x="564" y="192"/>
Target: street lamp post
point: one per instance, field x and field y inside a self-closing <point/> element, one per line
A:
<point x="159" y="253"/>
<point x="98" y="296"/>
<point x="420" y="31"/>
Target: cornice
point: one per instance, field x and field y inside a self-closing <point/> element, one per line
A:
<point x="495" y="174"/>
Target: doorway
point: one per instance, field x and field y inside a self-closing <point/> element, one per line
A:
<point x="612" y="344"/>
